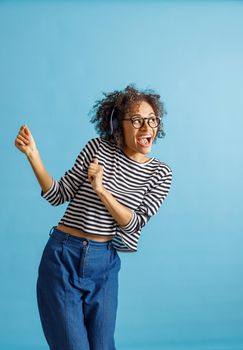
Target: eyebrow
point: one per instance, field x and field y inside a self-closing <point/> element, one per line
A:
<point x="139" y="115"/>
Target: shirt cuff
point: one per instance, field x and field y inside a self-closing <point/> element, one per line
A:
<point x="49" y="191"/>
<point x="128" y="228"/>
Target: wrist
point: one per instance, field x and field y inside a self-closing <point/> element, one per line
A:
<point x="32" y="154"/>
<point x="101" y="191"/>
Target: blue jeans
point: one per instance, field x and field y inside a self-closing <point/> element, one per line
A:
<point x="77" y="292"/>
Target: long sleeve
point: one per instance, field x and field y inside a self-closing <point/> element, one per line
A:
<point x="150" y="205"/>
<point x="66" y="188"/>
<point x="129" y="234"/>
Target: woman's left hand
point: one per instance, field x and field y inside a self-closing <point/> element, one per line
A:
<point x="95" y="175"/>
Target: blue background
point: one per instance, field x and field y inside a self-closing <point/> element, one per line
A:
<point x="183" y="289"/>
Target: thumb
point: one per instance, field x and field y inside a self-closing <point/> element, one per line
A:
<point x="95" y="161"/>
<point x="26" y="130"/>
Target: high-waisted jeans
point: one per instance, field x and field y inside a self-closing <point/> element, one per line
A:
<point x="77" y="292"/>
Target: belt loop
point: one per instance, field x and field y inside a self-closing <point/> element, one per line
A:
<point x="51" y="230"/>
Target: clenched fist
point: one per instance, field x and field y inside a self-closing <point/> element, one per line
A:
<point x="95" y="175"/>
<point x="25" y="141"/>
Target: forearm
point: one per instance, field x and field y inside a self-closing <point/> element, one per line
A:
<point x="44" y="179"/>
<point x="118" y="211"/>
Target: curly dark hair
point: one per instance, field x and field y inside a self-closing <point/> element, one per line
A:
<point x="118" y="103"/>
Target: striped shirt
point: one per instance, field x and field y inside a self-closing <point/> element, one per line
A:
<point x="141" y="187"/>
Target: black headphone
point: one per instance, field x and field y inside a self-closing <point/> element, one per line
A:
<point x="113" y="122"/>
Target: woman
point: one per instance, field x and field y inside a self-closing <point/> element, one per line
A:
<point x="113" y="189"/>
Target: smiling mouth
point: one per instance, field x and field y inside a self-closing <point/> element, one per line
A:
<point x="144" y="141"/>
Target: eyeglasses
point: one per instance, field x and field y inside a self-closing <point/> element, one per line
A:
<point x="138" y="122"/>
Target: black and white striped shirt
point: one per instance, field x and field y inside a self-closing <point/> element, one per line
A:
<point x="141" y="187"/>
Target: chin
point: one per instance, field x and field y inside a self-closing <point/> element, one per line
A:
<point x="146" y="150"/>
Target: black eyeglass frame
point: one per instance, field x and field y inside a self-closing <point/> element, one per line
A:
<point x="132" y="120"/>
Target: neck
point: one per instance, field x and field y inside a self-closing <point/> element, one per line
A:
<point x="138" y="157"/>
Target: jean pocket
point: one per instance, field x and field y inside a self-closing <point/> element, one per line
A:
<point x="52" y="256"/>
<point x="115" y="260"/>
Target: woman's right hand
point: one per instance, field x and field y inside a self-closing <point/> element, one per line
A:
<point x="25" y="141"/>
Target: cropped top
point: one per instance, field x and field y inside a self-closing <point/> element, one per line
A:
<point x="141" y="187"/>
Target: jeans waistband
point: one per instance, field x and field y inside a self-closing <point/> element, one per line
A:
<point x="65" y="237"/>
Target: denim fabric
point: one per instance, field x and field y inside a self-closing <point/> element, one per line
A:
<point x="77" y="292"/>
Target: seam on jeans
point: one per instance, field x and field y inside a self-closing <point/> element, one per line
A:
<point x="108" y="264"/>
<point x="103" y="321"/>
<point x="62" y="253"/>
<point x="66" y="316"/>
<point x="65" y="298"/>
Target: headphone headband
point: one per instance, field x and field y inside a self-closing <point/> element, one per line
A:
<point x="111" y="122"/>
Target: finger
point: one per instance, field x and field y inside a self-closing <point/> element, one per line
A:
<point x="92" y="173"/>
<point x="22" y="127"/>
<point x="20" y="137"/>
<point x="95" y="161"/>
<point x="19" y="142"/>
<point x="24" y="139"/>
<point x="91" y="178"/>
<point x="26" y="130"/>
<point x="93" y="167"/>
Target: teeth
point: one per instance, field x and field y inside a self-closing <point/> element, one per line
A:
<point x="143" y="141"/>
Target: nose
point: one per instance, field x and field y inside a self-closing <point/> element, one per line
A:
<point x="145" y="124"/>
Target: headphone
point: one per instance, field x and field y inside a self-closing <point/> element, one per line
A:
<point x="113" y="123"/>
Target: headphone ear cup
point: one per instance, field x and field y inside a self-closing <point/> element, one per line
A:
<point x="115" y="124"/>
